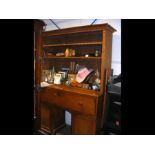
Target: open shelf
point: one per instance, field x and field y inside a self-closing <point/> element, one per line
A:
<point x="71" y="44"/>
<point x="57" y="57"/>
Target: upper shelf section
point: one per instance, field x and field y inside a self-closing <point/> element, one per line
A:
<point x="72" y="44"/>
<point x="82" y="38"/>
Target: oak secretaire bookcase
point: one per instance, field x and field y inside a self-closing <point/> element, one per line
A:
<point x="85" y="105"/>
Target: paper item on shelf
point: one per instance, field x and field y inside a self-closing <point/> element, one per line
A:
<point x="57" y="78"/>
<point x="44" y="84"/>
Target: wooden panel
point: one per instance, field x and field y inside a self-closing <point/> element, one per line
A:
<point x="49" y="117"/>
<point x="57" y="117"/>
<point x="84" y="104"/>
<point x="83" y="125"/>
<point x="38" y="24"/>
<point x="79" y="91"/>
<point x="80" y="29"/>
<point x="106" y="57"/>
<point x="45" y="118"/>
<point x="38" y="28"/>
<point x="108" y="52"/>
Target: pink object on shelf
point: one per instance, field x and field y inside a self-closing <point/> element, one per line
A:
<point x="82" y="74"/>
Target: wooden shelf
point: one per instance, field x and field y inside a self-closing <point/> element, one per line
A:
<point x="57" y="57"/>
<point x="70" y="44"/>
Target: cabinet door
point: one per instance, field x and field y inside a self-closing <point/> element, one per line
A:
<point x="83" y="125"/>
<point x="51" y="118"/>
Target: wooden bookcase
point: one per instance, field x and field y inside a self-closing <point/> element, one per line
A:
<point x="85" y="105"/>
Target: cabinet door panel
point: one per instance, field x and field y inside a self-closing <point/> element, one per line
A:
<point x="45" y="118"/>
<point x="83" y="125"/>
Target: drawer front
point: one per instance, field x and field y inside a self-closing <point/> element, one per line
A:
<point x="71" y="101"/>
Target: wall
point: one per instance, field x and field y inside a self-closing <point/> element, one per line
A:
<point x="116" y="45"/>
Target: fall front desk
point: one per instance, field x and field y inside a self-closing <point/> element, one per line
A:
<point x="85" y="107"/>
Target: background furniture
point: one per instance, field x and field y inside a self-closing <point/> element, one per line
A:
<point x="112" y="117"/>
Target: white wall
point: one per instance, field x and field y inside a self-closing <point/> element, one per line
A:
<point x="116" y="45"/>
<point x="116" y="54"/>
<point x="68" y="117"/>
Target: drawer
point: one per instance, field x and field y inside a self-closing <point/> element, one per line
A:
<point x="70" y="101"/>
